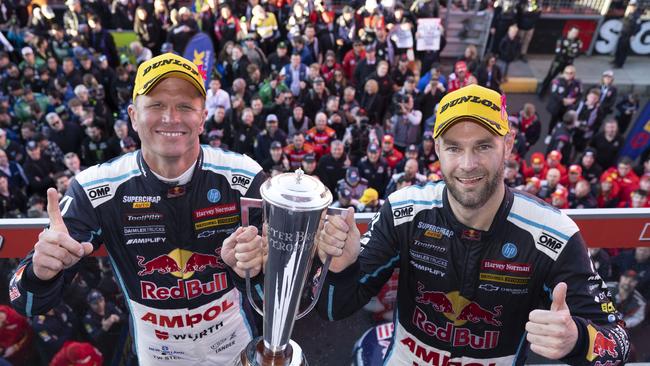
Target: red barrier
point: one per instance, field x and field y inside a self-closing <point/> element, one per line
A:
<point x="601" y="228"/>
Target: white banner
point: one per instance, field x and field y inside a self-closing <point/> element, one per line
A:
<point x="428" y="34"/>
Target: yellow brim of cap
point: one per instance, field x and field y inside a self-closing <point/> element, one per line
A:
<point x="173" y="73"/>
<point x="490" y="125"/>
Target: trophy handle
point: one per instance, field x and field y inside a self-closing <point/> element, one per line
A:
<point x="326" y="266"/>
<point x="246" y="204"/>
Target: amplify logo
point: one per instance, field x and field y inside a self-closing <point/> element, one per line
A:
<point x="182" y="264"/>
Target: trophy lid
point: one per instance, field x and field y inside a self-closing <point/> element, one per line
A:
<point x="296" y="191"/>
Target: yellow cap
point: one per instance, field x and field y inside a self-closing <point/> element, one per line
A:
<point x="476" y="103"/>
<point x="164" y="66"/>
<point x="369" y="195"/>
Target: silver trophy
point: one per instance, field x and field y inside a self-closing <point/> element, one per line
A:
<point x="292" y="204"/>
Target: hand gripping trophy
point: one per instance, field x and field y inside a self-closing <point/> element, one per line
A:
<point x="292" y="204"/>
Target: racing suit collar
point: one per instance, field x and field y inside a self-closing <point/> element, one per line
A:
<point x="166" y="189"/>
<point x="468" y="233"/>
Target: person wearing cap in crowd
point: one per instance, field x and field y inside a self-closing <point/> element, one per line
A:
<point x="560" y="197"/>
<point x="308" y="164"/>
<point x="179" y="182"/>
<point x="344" y="199"/>
<point x="470" y="209"/>
<point x="369" y="201"/>
<point x="103" y="323"/>
<point x="77" y="354"/>
<point x="537" y="166"/>
<point x="591" y="170"/>
<point x="427" y="152"/>
<point x="365" y="68"/>
<point x="573" y="177"/>
<point x="266" y="137"/>
<point x="428" y="99"/>
<point x="411" y="152"/>
<point x="626" y="178"/>
<point x="461" y="77"/>
<point x="582" y="196"/>
<point x="409" y="177"/>
<point x="332" y="166"/>
<point x="330" y="66"/>
<point x="314" y="99"/>
<point x="53" y="329"/>
<point x="279" y="58"/>
<point x="15" y="337"/>
<point x="38" y="169"/>
<point x="554" y="160"/>
<point x="608" y="143"/>
<point x="253" y="52"/>
<point x="30" y="59"/>
<point x="631" y="25"/>
<point x="627" y="299"/>
<point x="608" y="92"/>
<point x="276" y="158"/>
<point x="389" y="152"/>
<point x="374" y="168"/>
<point x="609" y="192"/>
<point x="321" y="135"/>
<point x="297" y="150"/>
<point x="354" y="183"/>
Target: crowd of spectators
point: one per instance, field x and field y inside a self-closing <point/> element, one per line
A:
<point x="296" y="85"/>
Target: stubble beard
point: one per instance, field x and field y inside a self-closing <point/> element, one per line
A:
<point x="478" y="198"/>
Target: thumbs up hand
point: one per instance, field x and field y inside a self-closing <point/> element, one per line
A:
<point x="552" y="333"/>
<point x="55" y="249"/>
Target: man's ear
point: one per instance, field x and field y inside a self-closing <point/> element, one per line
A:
<point x="436" y="146"/>
<point x="509" y="143"/>
<point x="133" y="116"/>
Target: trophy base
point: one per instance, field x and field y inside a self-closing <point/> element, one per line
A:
<point x="256" y="355"/>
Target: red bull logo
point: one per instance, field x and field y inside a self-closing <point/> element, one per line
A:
<point x="475" y="313"/>
<point x="455" y="336"/>
<point x="604" y="345"/>
<point x="162" y="264"/>
<point x="182" y="263"/>
<point x="173" y="262"/>
<point x="438" y="300"/>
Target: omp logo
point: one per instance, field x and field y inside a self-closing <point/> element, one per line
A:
<point x="406" y="211"/>
<point x="240" y="180"/>
<point x="98" y="192"/>
<point x="552" y="243"/>
<point x="145" y="240"/>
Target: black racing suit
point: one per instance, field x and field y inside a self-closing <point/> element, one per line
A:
<point x="464" y="295"/>
<point x="164" y="244"/>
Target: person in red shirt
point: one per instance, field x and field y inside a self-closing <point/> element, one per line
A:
<point x="554" y="160"/>
<point x="461" y="77"/>
<point x="537" y="167"/>
<point x="79" y="354"/>
<point x="644" y="183"/>
<point x="626" y="178"/>
<point x="389" y="152"/>
<point x="321" y="135"/>
<point x="297" y="150"/>
<point x="574" y="176"/>
<point x="352" y="58"/>
<point x="560" y="197"/>
<point x="609" y="191"/>
<point x="15" y="336"/>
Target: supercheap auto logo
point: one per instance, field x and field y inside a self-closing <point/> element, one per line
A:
<point x="182" y="264"/>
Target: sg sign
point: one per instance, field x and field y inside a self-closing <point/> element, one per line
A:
<point x="608" y="36"/>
